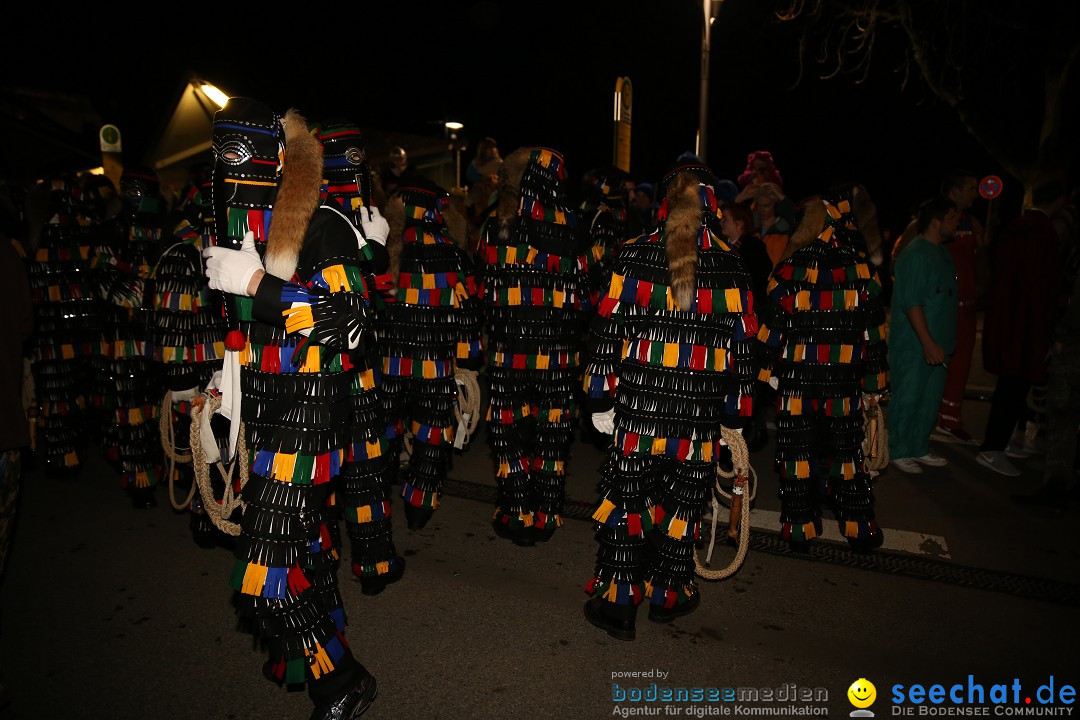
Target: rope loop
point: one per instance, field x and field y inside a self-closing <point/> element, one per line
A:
<point x="221" y="510"/>
<point x="875" y="445"/>
<point x="744" y="475"/>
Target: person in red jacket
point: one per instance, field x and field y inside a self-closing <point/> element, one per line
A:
<point x="1024" y="304"/>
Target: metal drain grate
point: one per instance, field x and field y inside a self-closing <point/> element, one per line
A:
<point x="881" y="561"/>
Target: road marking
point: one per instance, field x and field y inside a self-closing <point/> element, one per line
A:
<point x="907" y="541"/>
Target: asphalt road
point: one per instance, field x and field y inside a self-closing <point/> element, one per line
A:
<point x="112" y="612"/>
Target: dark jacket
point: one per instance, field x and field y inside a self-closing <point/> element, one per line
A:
<point x="1025" y="298"/>
<point x="18" y="312"/>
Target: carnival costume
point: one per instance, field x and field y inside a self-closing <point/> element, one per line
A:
<point x="294" y="341"/>
<point x="671" y="359"/>
<point x="364" y="483"/>
<point x="535" y="290"/>
<point x="67" y="321"/>
<point x="189" y="336"/>
<point x="604" y="217"/>
<point x="132" y="384"/>
<point x="430" y="332"/>
<point x="826" y="330"/>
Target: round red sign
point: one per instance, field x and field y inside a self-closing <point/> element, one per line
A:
<point x="990" y="187"/>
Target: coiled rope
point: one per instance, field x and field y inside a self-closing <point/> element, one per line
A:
<point x="875" y="444"/>
<point x="165" y="418"/>
<point x="744" y="475"/>
<point x="173" y="454"/>
<point x="466" y="410"/>
<point x="221" y="510"/>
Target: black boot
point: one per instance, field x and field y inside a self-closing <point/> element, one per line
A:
<point x="352" y="704"/>
<point x="864" y="545"/>
<point x="417" y="517"/>
<point x="375" y="584"/>
<point x="661" y="614"/>
<point x="203" y="530"/>
<point x="520" y="535"/>
<point x="617" y="620"/>
<point x="143" y="498"/>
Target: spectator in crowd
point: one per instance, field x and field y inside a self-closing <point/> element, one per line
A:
<point x="760" y="169"/>
<point x="395" y="170"/>
<point x="14" y="432"/>
<point x="482" y="176"/>
<point x="967" y="249"/>
<point x="1062" y="422"/>
<point x="773" y="229"/>
<point x="644" y="207"/>
<point x="737" y="226"/>
<point x="922" y="336"/>
<point x="486" y="164"/>
<point x="1024" y="303"/>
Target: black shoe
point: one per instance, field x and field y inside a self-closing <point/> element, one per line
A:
<point x="546" y="534"/>
<point x="203" y="531"/>
<point x="800" y="547"/>
<point x="417" y="517"/>
<point x="522" y="535"/>
<point x="143" y="498"/>
<point x="375" y="584"/>
<point x="617" y="620"/>
<point x="352" y="704"/>
<point x="863" y="545"/>
<point x="661" y="614"/>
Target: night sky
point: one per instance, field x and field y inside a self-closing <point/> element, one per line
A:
<point x="540" y="73"/>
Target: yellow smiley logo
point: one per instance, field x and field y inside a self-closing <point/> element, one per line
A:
<point x="862" y="693"/>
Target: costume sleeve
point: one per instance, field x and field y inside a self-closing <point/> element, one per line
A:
<point x="608" y="333"/>
<point x="774" y="323"/>
<point x="605" y="240"/>
<point x="333" y="307"/>
<point x="470" y="346"/>
<point x="746" y="356"/>
<point x="876" y="361"/>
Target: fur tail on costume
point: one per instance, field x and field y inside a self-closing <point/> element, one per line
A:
<point x="297" y="198"/>
<point x="681" y="233"/>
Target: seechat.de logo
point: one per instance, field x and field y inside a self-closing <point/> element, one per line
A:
<point x="862" y="694"/>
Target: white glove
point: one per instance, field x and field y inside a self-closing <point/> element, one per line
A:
<point x="231" y="270"/>
<point x="605" y="421"/>
<point x="374" y="225"/>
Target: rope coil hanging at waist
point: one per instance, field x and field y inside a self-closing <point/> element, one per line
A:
<point x="466" y="410"/>
<point x="744" y="475"/>
<point x="875" y="445"/>
<point x="173" y="454"/>
<point x="221" y="510"/>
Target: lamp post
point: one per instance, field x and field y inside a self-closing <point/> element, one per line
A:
<point x="709" y="10"/>
<point x="453" y="128"/>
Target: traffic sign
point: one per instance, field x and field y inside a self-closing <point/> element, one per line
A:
<point x="990" y="187"/>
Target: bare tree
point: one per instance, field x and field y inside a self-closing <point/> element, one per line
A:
<point x="1007" y="68"/>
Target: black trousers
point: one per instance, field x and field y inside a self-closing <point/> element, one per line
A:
<point x="1006" y="409"/>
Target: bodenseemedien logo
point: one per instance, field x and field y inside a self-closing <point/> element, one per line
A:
<point x="862" y="694"/>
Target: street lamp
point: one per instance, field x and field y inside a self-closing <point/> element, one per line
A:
<point x="709" y="10"/>
<point x="453" y="127"/>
